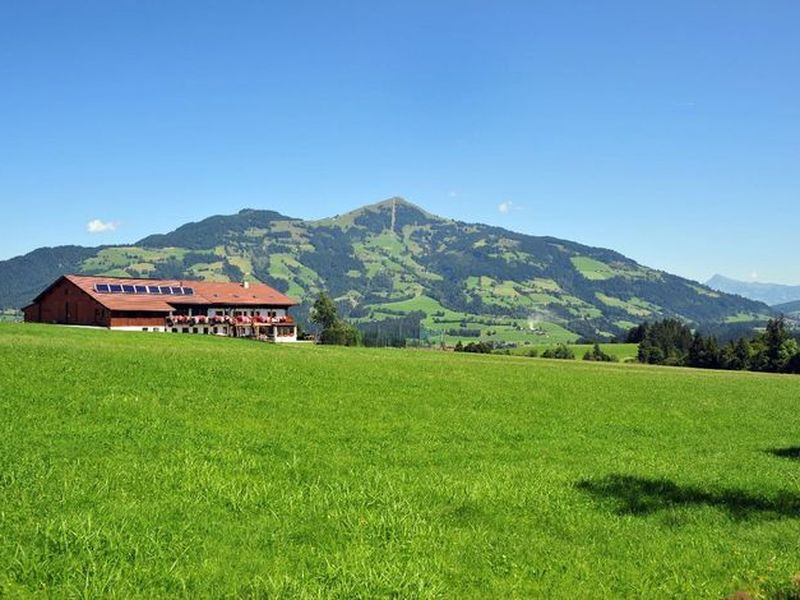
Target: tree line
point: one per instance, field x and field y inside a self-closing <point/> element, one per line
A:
<point x="672" y="342"/>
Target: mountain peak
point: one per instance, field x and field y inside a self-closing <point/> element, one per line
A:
<point x="397" y="203"/>
<point x="390" y="214"/>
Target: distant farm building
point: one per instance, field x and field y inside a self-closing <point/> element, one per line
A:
<point x="166" y="305"/>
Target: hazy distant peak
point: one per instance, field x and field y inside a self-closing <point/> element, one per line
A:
<point x="769" y="293"/>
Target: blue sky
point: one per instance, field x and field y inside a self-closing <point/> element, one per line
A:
<point x="667" y="131"/>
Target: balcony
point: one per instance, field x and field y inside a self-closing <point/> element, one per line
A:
<point x="228" y="320"/>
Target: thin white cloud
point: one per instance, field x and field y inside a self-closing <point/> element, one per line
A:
<point x="452" y="193"/>
<point x="98" y="226"/>
<point x="505" y="206"/>
<point x="753" y="275"/>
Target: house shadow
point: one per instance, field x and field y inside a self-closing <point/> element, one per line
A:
<point x="630" y="495"/>
<point x="792" y="453"/>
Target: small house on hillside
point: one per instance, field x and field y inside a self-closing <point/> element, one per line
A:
<point x="162" y="305"/>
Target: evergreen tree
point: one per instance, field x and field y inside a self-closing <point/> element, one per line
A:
<point x="779" y="344"/>
<point x="665" y="342"/>
<point x="704" y="352"/>
<point x="742" y="355"/>
<point x="793" y="365"/>
<point x="637" y="334"/>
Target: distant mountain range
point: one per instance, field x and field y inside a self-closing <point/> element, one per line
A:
<point x="790" y="309"/>
<point x="395" y="262"/>
<point x="769" y="293"/>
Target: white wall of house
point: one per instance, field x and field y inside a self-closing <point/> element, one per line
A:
<point x="199" y="329"/>
<point x="287" y="338"/>
<point x="212" y="329"/>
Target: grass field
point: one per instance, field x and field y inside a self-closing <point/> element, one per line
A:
<point x="146" y="465"/>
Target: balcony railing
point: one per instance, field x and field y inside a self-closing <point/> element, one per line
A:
<point x="228" y="320"/>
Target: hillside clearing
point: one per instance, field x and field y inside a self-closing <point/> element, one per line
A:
<point x="149" y="465"/>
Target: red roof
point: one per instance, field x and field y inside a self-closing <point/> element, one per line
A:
<point x="205" y="293"/>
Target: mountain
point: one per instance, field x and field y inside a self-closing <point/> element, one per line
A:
<point x="394" y="264"/>
<point x="791" y="309"/>
<point x="23" y="277"/>
<point x="769" y="293"/>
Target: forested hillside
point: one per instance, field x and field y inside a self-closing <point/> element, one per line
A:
<point x="394" y="264"/>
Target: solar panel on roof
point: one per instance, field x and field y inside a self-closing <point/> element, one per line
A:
<point x="125" y="288"/>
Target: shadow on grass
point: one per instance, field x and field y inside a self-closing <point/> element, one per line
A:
<point x="792" y="453"/>
<point x="641" y="496"/>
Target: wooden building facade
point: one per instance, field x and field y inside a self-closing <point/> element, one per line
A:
<point x="173" y="306"/>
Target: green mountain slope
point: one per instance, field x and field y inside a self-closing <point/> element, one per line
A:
<point x="23" y="277"/>
<point x="389" y="260"/>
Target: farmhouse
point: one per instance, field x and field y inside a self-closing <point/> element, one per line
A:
<point x="166" y="305"/>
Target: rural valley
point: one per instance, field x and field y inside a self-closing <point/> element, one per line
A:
<point x="399" y="300"/>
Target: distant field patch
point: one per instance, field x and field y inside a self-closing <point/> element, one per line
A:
<point x="592" y="269"/>
<point x="704" y="291"/>
<point x="744" y="317"/>
<point x="424" y="304"/>
<point x="634" y="306"/>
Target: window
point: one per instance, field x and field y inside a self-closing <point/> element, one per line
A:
<point x="194" y="329"/>
<point x="215" y="330"/>
<point x="185" y="330"/>
<point x="174" y="330"/>
<point x="144" y="329"/>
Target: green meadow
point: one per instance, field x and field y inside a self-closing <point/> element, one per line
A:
<point x="149" y="465"/>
